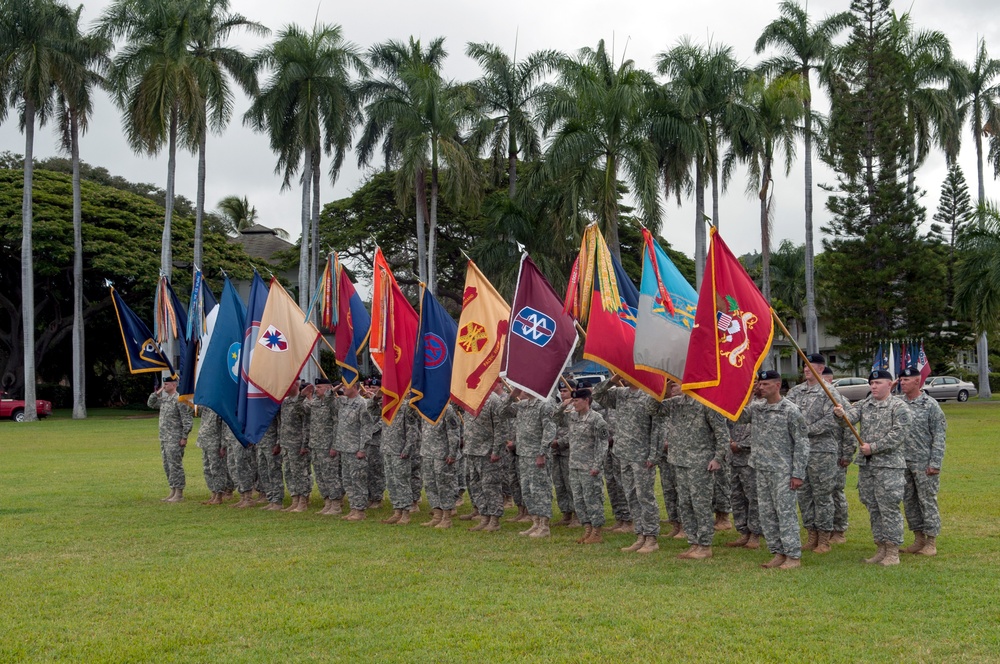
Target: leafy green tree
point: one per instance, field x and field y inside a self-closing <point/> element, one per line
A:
<point x="977" y="271"/>
<point x="953" y="214"/>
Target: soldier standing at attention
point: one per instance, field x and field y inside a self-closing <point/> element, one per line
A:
<point x="213" y="457"/>
<point x="560" y="460"/>
<point x="883" y="421"/>
<point x="242" y="466"/>
<point x="746" y="516"/>
<point x="637" y="452"/>
<point x="483" y="444"/>
<point x="534" y="432"/>
<point x="354" y="422"/>
<point x="779" y="454"/>
<point x="399" y="441"/>
<point x="588" y="445"/>
<point x="923" y="452"/>
<point x="269" y="466"/>
<point x="663" y="431"/>
<point x="322" y="428"/>
<point x="293" y="438"/>
<point x="439" y="451"/>
<point x="845" y="443"/>
<point x="176" y="420"/>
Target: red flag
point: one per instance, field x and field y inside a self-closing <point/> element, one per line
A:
<point x="393" y="336"/>
<point x="732" y="334"/>
<point x="923" y="364"/>
<point x="542" y="338"/>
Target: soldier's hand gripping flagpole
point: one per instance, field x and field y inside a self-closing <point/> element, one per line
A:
<point x="819" y="379"/>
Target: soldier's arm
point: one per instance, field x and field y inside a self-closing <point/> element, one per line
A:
<point x="720" y="430"/>
<point x="800" y="443"/>
<point x="154" y="401"/>
<point x="605" y="394"/>
<point x="601" y="444"/>
<point x="939" y="428"/>
<point x="894" y="436"/>
<point x="548" y="429"/>
<point x="186" y="414"/>
<point x="496" y="427"/>
<point x="453" y="430"/>
<point x="654" y="445"/>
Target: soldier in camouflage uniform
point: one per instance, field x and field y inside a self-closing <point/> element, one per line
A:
<point x="588" y="445"/>
<point x="242" y="463"/>
<point x="746" y="516"/>
<point x="212" y="457"/>
<point x="176" y="420"/>
<point x="534" y="432"/>
<point x="511" y="479"/>
<point x="816" y="495"/>
<point x="293" y="438"/>
<point x="399" y="441"/>
<point x="845" y="443"/>
<point x="663" y="431"/>
<point x="779" y="455"/>
<point x="613" y="479"/>
<point x="560" y="461"/>
<point x="884" y="420"/>
<point x="696" y="451"/>
<point x="923" y="452"/>
<point x="637" y="451"/>
<point x="484" y="442"/>
<point x="354" y="424"/>
<point x="269" y="466"/>
<point x="439" y="451"/>
<point x="376" y="467"/>
<point x="322" y="429"/>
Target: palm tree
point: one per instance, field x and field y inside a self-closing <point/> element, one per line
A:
<point x="507" y="94"/>
<point x="33" y="52"/>
<point x="237" y="214"/>
<point x="75" y="86"/>
<point x="215" y="62"/>
<point x="804" y="46"/>
<point x="416" y="118"/>
<point x="977" y="274"/>
<point x="308" y="104"/>
<point x="600" y="115"/>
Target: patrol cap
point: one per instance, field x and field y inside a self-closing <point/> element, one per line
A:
<point x="323" y="381"/>
<point x="581" y="394"/>
<point x="827" y="371"/>
<point x="170" y="379"/>
<point x="879" y="373"/>
<point x="909" y="372"/>
<point x="567" y="384"/>
<point x="816" y="358"/>
<point x="768" y="374"/>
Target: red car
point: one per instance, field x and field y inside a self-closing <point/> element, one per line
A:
<point x="14" y="408"/>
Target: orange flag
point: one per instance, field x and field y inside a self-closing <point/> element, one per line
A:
<point x="393" y="336"/>
<point x="286" y="340"/>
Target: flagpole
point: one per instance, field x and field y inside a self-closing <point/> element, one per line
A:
<point x="819" y="379"/>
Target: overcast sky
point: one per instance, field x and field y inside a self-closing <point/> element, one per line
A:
<point x="240" y="162"/>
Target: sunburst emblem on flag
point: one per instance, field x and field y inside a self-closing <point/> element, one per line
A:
<point x="273" y="339"/>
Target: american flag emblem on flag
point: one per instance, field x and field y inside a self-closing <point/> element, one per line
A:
<point x="724" y="321"/>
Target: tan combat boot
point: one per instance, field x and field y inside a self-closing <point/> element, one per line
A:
<point x="701" y="553"/>
<point x="445" y="520"/>
<point x="292" y="506"/>
<point x="303" y="505"/>
<point x="753" y="542"/>
<point x="742" y="541"/>
<point x="227" y="494"/>
<point x="356" y="515"/>
<point x="474" y="514"/>
<point x="534" y="525"/>
<point x="404" y="517"/>
<point x="483" y="520"/>
<point x="508" y="502"/>
<point x="415" y="507"/>
<point x="375" y="504"/>
<point x="636" y="545"/>
<point x="436" y="516"/>
<point x="543" y="528"/>
<point x="216" y="499"/>
<point x="790" y="563"/>
<point x="650" y="545"/>
<point x="595" y="536"/>
<point x="680" y="534"/>
<point x="627" y="528"/>
<point x="246" y="500"/>
<point x="587" y="528"/>
<point x="396" y="516"/>
<point x="272" y="507"/>
<point x="823" y="542"/>
<point x="178" y="496"/>
<point x="777" y="561"/>
<point x="675" y="527"/>
<point x="879" y="554"/>
<point x="173" y="492"/>
<point x="336" y="506"/>
<point x="574" y="522"/>
<point x="615" y="526"/>
<point x="326" y="506"/>
<point x="838" y="537"/>
<point x="722" y="521"/>
<point x="522" y="515"/>
<point x="493" y="525"/>
<point x="684" y="555"/>
<point x="918" y="543"/>
<point x="812" y="540"/>
<point x="930" y="546"/>
<point x="891" y="556"/>
<point x="567" y="517"/>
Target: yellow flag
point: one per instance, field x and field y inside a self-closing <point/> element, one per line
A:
<point x="283" y="346"/>
<point x="482" y="330"/>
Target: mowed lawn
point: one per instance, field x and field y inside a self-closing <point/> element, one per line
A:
<point x="93" y="567"/>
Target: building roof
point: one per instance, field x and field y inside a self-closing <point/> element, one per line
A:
<point x="261" y="242"/>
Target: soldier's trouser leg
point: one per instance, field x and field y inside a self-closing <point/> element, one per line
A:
<point x="461" y="474"/>
<point x="746" y="516"/>
<point x="561" y="483"/>
<point x="354" y="475"/>
<point x="722" y="491"/>
<point x="822" y="470"/>
<point x="588" y="497"/>
<point x="491" y="476"/>
<point x="474" y="466"/>
<point x="323" y="470"/>
<point x="536" y="486"/>
<point x="338" y="479"/>
<point x="778" y="519"/>
<point x="616" y="494"/>
<point x="296" y="471"/>
<point x="668" y="482"/>
<point x="173" y="463"/>
<point x="376" y="472"/>
<point x="881" y="490"/>
<point x="513" y="477"/>
<point x="840" y="522"/>
<point x="397" y="481"/>
<point x="269" y="466"/>
<point x="920" y="501"/>
<point x="694" y="498"/>
<point x="215" y="473"/>
<point x="416" y="475"/>
<point x="440" y="483"/>
<point x="240" y="468"/>
<point x="638" y="483"/>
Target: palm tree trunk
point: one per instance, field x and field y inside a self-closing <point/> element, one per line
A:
<point x="812" y="322"/>
<point x="314" y="254"/>
<point x="699" y="222"/>
<point x="79" y="374"/>
<point x="166" y="251"/>
<point x="420" y="187"/>
<point x="27" y="266"/>
<point x="614" y="244"/>
<point x="432" y="227"/>
<point x="304" y="237"/>
<point x="983" y="346"/>
<point x="511" y="162"/>
<point x="765" y="232"/>
<point x="199" y="209"/>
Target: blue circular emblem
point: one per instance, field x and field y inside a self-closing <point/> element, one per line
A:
<point x="233" y="361"/>
<point x="435" y="351"/>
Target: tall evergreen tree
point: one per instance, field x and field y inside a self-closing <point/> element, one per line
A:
<point x="953" y="214"/>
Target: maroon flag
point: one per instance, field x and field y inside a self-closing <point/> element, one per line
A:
<point x="542" y="337"/>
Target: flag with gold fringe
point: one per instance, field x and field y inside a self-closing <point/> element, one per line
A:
<point x="432" y="358"/>
<point x="393" y="336"/>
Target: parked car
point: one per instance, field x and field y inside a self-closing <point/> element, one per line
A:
<point x="14" y="408"/>
<point x="854" y="388"/>
<point x="949" y="387"/>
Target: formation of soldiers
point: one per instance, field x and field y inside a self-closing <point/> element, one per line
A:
<point x="785" y="457"/>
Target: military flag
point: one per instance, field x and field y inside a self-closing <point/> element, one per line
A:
<point x="432" y="358"/>
<point x="732" y="334"/>
<point x="542" y="336"/>
<point x="255" y="410"/>
<point x="923" y="364"/>
<point x="393" y="336"/>
<point x="879" y="361"/>
<point x="144" y="355"/>
<point x="666" y="311"/>
<point x="169" y="317"/>
<point x="218" y="382"/>
<point x="350" y="322"/>
<point x="482" y="333"/>
<point x="193" y="333"/>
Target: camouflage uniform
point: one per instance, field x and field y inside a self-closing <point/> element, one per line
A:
<point x="293" y="438"/>
<point x="534" y="432"/>
<point x="511" y="483"/>
<point x="588" y="445"/>
<point x="210" y="442"/>
<point x="176" y="420"/>
<point x="399" y="441"/>
<point x="376" y="465"/>
<point x="560" y="464"/>
<point x="846" y="444"/>
<point x="779" y="451"/>
<point x="663" y="431"/>
<point x="881" y="481"/>
<point x="484" y="440"/>
<point x="439" y="443"/>
<point x="923" y="449"/>
<point x="822" y="474"/>
<point x="635" y="447"/>
<point x="242" y="462"/>
<point x="322" y="429"/>
<point x="746" y="516"/>
<point x="613" y="472"/>
<point x="700" y="435"/>
<point x="272" y="484"/>
<point x="354" y="423"/>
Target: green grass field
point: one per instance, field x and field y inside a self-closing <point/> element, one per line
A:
<point x="93" y="567"/>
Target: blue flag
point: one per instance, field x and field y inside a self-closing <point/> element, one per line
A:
<point x="218" y="385"/>
<point x="255" y="409"/>
<point x="353" y="324"/>
<point x="144" y="355"/>
<point x="192" y="335"/>
<point x="432" y="359"/>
